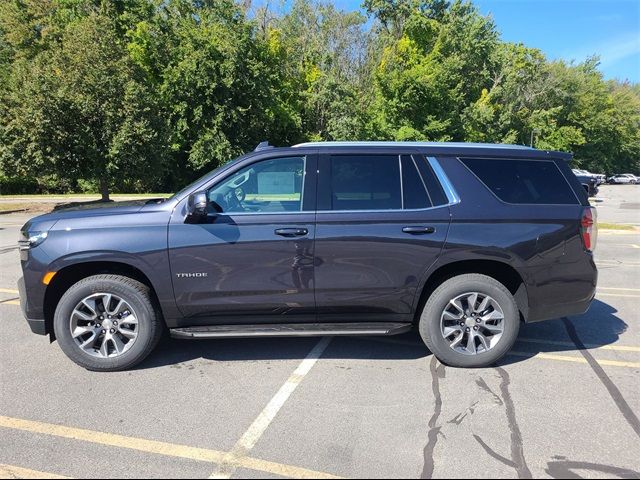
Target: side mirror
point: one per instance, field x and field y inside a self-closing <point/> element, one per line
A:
<point x="197" y="204"/>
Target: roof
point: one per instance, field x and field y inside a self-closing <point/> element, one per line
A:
<point x="414" y="144"/>
<point x="449" y="148"/>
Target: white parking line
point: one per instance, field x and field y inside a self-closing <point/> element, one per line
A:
<point x="242" y="448"/>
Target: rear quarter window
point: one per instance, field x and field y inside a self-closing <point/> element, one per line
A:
<point x="523" y="181"/>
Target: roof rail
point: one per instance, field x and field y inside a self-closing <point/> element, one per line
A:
<point x="263" y="146"/>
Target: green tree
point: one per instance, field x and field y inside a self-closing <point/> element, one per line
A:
<point x="430" y="73"/>
<point x="80" y="110"/>
<point x="324" y="52"/>
<point x="146" y="94"/>
<point x="219" y="82"/>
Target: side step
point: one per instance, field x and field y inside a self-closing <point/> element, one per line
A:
<point x="290" y="330"/>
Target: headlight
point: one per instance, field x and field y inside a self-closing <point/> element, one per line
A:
<point x="31" y="239"/>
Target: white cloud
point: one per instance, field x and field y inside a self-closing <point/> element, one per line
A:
<point x="610" y="52"/>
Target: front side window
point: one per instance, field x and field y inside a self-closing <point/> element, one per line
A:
<point x="274" y="185"/>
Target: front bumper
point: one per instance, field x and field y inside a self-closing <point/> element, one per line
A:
<point x="37" y="325"/>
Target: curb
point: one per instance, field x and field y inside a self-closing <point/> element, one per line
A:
<point x="7" y="212"/>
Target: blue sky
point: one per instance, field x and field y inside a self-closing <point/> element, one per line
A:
<point x="567" y="29"/>
<point x="574" y="29"/>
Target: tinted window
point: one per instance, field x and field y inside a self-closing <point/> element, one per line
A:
<point x="365" y="182"/>
<point x="436" y="192"/>
<point x="273" y="185"/>
<point x="413" y="188"/>
<point x="523" y="181"/>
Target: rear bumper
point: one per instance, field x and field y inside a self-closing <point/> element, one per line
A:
<point x="559" y="311"/>
<point x="37" y="325"/>
<point x="567" y="295"/>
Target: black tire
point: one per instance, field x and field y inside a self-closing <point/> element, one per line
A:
<point x="136" y="294"/>
<point x="430" y="329"/>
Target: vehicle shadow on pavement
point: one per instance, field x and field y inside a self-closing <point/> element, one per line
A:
<point x="598" y="327"/>
<point x="172" y="352"/>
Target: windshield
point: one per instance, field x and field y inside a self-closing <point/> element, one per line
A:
<point x="203" y="178"/>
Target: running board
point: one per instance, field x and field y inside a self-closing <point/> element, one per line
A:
<point x="290" y="330"/>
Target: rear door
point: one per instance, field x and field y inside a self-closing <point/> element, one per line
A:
<point x="382" y="221"/>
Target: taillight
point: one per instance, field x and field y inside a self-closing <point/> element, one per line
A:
<point x="589" y="228"/>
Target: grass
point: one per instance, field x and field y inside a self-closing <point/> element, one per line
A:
<point x="88" y="195"/>
<point x="615" y="226"/>
<point x="45" y="203"/>
<point x="26" y="206"/>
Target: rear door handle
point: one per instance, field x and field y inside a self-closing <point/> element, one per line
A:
<point x="419" y="230"/>
<point x="291" y="232"/>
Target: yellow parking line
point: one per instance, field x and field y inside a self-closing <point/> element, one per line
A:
<point x="11" y="471"/>
<point x="8" y="290"/>
<point x="156" y="447"/>
<point x="620" y="288"/>
<point x="616" y="295"/>
<point x="11" y="301"/>
<point x="590" y="346"/>
<point x="565" y="358"/>
<point x="612" y="263"/>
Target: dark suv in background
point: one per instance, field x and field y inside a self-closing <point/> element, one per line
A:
<point x="464" y="241"/>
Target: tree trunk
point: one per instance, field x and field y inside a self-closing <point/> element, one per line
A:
<point x="104" y="189"/>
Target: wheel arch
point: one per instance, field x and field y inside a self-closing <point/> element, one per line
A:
<point x="500" y="271"/>
<point x="73" y="273"/>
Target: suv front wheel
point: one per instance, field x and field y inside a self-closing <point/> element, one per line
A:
<point x="107" y="323"/>
<point x="470" y="320"/>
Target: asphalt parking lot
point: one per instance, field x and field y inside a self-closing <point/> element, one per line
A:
<point x="564" y="404"/>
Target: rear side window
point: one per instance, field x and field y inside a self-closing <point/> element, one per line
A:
<point x="413" y="189"/>
<point x="436" y="192"/>
<point x="365" y="182"/>
<point x="383" y="182"/>
<point x="523" y="181"/>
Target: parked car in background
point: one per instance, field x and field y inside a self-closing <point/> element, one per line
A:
<point x="599" y="177"/>
<point x="588" y="182"/>
<point x="624" y="178"/>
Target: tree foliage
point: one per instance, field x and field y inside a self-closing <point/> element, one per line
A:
<point x="136" y="95"/>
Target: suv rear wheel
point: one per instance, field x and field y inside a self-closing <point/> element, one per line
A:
<point x="471" y="320"/>
<point x="107" y="323"/>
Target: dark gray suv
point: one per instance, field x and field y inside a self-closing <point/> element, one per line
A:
<point x="463" y="241"/>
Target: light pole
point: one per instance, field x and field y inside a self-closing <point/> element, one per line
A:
<point x="533" y="132"/>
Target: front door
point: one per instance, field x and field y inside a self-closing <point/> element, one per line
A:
<point x="252" y="260"/>
<point x="382" y="222"/>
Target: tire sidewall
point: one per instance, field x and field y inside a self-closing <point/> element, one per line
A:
<point x="452" y="288"/>
<point x="133" y="296"/>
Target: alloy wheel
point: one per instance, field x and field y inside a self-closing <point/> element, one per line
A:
<point x="472" y="323"/>
<point x="104" y="325"/>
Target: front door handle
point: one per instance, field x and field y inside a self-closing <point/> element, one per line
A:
<point x="291" y="232"/>
<point x="419" y="230"/>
